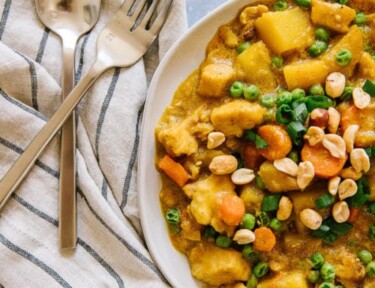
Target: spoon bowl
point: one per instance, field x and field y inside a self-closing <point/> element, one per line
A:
<point x="69" y="19"/>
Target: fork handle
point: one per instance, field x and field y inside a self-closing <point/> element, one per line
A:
<point x="24" y="163"/>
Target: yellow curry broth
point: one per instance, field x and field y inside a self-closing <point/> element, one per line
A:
<point x="184" y="129"/>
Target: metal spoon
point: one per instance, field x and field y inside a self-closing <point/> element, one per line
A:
<point x="69" y="19"/>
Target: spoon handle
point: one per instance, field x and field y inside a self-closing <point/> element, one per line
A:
<point x="67" y="189"/>
<point x="24" y="163"/>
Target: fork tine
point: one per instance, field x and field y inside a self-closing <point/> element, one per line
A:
<point x="149" y="14"/>
<point x="127" y="5"/>
<point x="138" y="10"/>
<point x="162" y="16"/>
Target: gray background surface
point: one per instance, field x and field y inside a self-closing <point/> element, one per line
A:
<point x="196" y="9"/>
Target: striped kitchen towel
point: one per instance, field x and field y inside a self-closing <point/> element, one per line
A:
<point x="110" y="250"/>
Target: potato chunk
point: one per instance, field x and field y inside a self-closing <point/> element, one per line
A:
<point x="353" y="41"/>
<point x="215" y="79"/>
<point x="234" y="117"/>
<point x="367" y="66"/>
<point x="332" y="15"/>
<point x="206" y="198"/>
<point x="276" y="181"/>
<point x="284" y="31"/>
<point x="292" y="279"/>
<point x="305" y="74"/>
<point x="255" y="66"/>
<point x="218" y="266"/>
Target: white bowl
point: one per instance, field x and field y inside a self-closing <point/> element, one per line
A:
<point x="183" y="58"/>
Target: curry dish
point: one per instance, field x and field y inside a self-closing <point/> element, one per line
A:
<point x="267" y="151"/>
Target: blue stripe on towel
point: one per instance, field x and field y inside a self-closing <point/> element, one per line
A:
<point x="104" y="109"/>
<point x="23" y="253"/>
<point x="80" y="242"/>
<point x="136" y="253"/>
<point x="4" y="17"/>
<point x="39" y="163"/>
<point x="133" y="158"/>
<point x="34" y="82"/>
<point x="105" y="189"/>
<point x="78" y="73"/>
<point x="22" y="106"/>
<point x="102" y="262"/>
<point x="42" y="45"/>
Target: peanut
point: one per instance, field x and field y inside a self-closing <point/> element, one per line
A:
<point x="244" y="236"/>
<point x="333" y="185"/>
<point x="347" y="188"/>
<point x="242" y="176"/>
<point x="314" y="135"/>
<point x="335" y="84"/>
<point x="350" y="173"/>
<point x="285" y="208"/>
<point x="319" y="117"/>
<point x="286" y="165"/>
<point x="349" y="136"/>
<point x="223" y="164"/>
<point x="340" y="212"/>
<point x="335" y="145"/>
<point x="360" y="160"/>
<point x="333" y="120"/>
<point x="360" y="98"/>
<point x="215" y="139"/>
<point x="311" y="219"/>
<point x="305" y="174"/>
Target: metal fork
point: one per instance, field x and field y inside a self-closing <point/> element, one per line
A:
<point x="121" y="43"/>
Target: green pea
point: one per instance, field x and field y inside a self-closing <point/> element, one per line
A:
<point x="236" y="89"/>
<point x="284" y="97"/>
<point x="317" y="260"/>
<point x="370" y="269"/>
<point x="280" y="5"/>
<point x="276" y="225"/>
<point x="343" y="57"/>
<point x="326" y="285"/>
<point x="294" y="156"/>
<point x="328" y="272"/>
<point x="298" y="93"/>
<point x="317" y="48"/>
<point x="303" y="3"/>
<point x="249" y="253"/>
<point x="322" y="34"/>
<point x="260" y="269"/>
<point x="252" y="282"/>
<point x="365" y="256"/>
<point x="317" y="90"/>
<point x="277" y="61"/>
<point x="223" y="241"/>
<point x="248" y="221"/>
<point x="313" y="276"/>
<point x="242" y="47"/>
<point x="360" y="19"/>
<point x="251" y="92"/>
<point x="173" y="216"/>
<point x="267" y="101"/>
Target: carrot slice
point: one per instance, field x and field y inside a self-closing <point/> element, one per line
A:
<point x="325" y="165"/>
<point x="265" y="239"/>
<point x="174" y="170"/>
<point x="354" y="213"/>
<point x="232" y="209"/>
<point x="279" y="143"/>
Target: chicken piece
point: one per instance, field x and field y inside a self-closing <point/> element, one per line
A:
<point x="252" y="12"/>
<point x="234" y="117"/>
<point x="206" y="198"/>
<point x="217" y="266"/>
<point x="334" y="16"/>
<point x="215" y="79"/>
<point x="367" y="66"/>
<point x="230" y="39"/>
<point x="290" y="279"/>
<point x="180" y="138"/>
